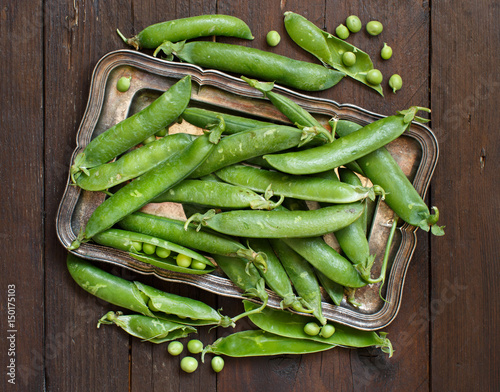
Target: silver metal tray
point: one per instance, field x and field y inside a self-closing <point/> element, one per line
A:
<point x="416" y="152"/>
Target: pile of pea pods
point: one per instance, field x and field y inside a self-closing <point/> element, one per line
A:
<point x="245" y="185"/>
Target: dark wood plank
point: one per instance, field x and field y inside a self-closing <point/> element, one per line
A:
<point x="465" y="317"/>
<point x="21" y="193"/>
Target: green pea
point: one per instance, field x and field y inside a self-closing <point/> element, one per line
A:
<point x="327" y="331"/>
<point x="195" y="346"/>
<point x="175" y="348"/>
<point x="150" y="139"/>
<point x="123" y="83"/>
<point x="163" y="132"/>
<point x="189" y="364"/>
<point x="312" y="329"/>
<point x="148" y="249"/>
<point x="217" y="363"/>
<point x="137" y="246"/>
<point x="374" y="27"/>
<point x="183" y="260"/>
<point x="162" y="252"/>
<point x="374" y="76"/>
<point x="395" y="82"/>
<point x="349" y="59"/>
<point x="353" y="23"/>
<point x="273" y="38"/>
<point x="386" y="52"/>
<point x="342" y="31"/>
<point x="198" y="265"/>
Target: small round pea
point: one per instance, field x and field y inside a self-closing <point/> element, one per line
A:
<point x="198" y="265"/>
<point x="195" y="346"/>
<point x="349" y="59"/>
<point x="217" y="364"/>
<point x="137" y="246"/>
<point x="353" y="23"/>
<point x="273" y="38"/>
<point x="311" y="329"/>
<point x="123" y="83"/>
<point x="150" y="139"/>
<point x="386" y="52"/>
<point x="327" y="331"/>
<point x="162" y="132"/>
<point x="175" y="348"/>
<point x="395" y="82"/>
<point x="162" y="252"/>
<point x="189" y="364"/>
<point x="183" y="260"/>
<point x="342" y="31"/>
<point x="374" y="76"/>
<point x="148" y="249"/>
<point x="374" y="27"/>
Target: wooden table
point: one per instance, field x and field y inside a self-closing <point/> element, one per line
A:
<point x="446" y="334"/>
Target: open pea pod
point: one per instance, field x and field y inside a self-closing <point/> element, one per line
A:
<point x="328" y="48"/>
<point x="133" y="243"/>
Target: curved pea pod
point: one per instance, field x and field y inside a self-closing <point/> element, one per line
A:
<point x="215" y="194"/>
<point x="258" y="343"/>
<point x="302" y="275"/>
<point x="255" y="63"/>
<point x="127" y="240"/>
<point x="297" y="187"/>
<point x="346" y="149"/>
<point x="147" y="328"/>
<point x="174" y="231"/>
<point x="142" y="190"/>
<point x="291" y="325"/>
<point x="381" y="168"/>
<point x="279" y="223"/>
<point x="328" y="48"/>
<point x="189" y="28"/>
<point x="277" y="279"/>
<point x="204" y="119"/>
<point x="250" y="144"/>
<point x="134" y="129"/>
<point x="133" y="163"/>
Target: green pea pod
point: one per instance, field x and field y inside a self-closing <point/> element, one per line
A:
<point x="150" y="329"/>
<point x="328" y="48"/>
<point x="302" y="275"/>
<point x="297" y="187"/>
<point x="203" y="118"/>
<point x="280" y="223"/>
<point x="291" y="325"/>
<point x="205" y="241"/>
<point x="346" y="149"/>
<point x="125" y="240"/>
<point x="255" y="63"/>
<point x="257" y="343"/>
<point x="215" y="194"/>
<point x="277" y="279"/>
<point x="133" y="163"/>
<point x="334" y="290"/>
<point x="142" y="190"/>
<point x="134" y="129"/>
<point x="189" y="28"/>
<point x="381" y="168"/>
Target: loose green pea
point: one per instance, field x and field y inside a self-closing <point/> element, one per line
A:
<point x="349" y="59"/>
<point x="162" y="252"/>
<point x="195" y="346"/>
<point x="374" y="76"/>
<point x="137" y="246"/>
<point x="189" y="364"/>
<point x="163" y="132"/>
<point x="395" y="82"/>
<point x="312" y="329"/>
<point x="353" y="23"/>
<point x="327" y="331"/>
<point x="198" y="265"/>
<point x="374" y="27"/>
<point x="148" y="249"/>
<point x="150" y="139"/>
<point x="123" y="83"/>
<point x="217" y="363"/>
<point x="386" y="52"/>
<point x="342" y="31"/>
<point x="273" y="38"/>
<point x="175" y="348"/>
<point x="183" y="260"/>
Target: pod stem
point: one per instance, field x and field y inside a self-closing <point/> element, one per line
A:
<point x="262" y="294"/>
<point x="200" y="219"/>
<point x="411" y="114"/>
<point x="109" y="318"/>
<point x="430" y="222"/>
